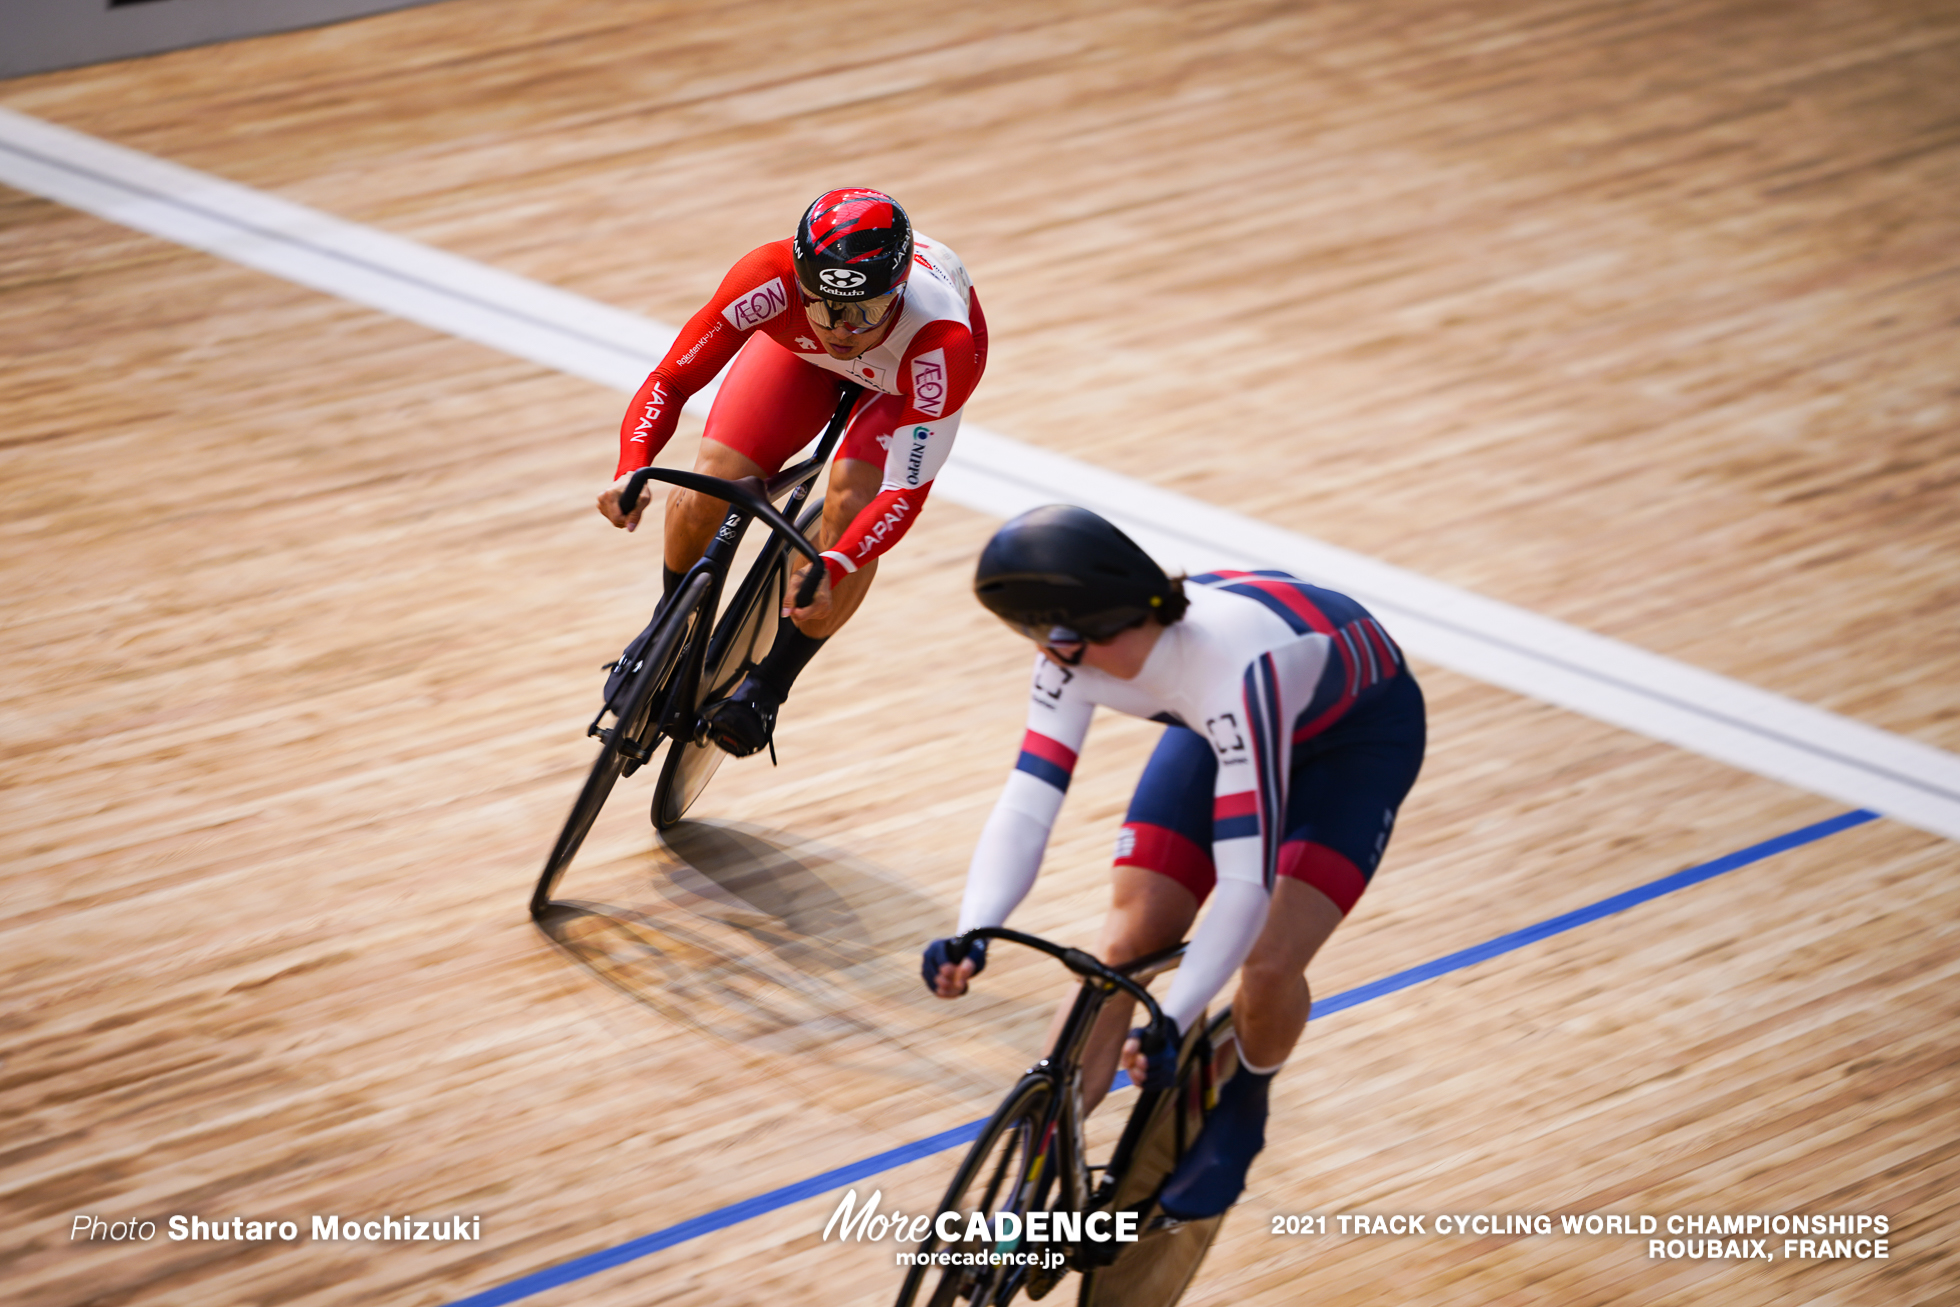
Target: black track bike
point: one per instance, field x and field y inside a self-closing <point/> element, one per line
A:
<point x="697" y="648"/>
<point x="1031" y="1158"/>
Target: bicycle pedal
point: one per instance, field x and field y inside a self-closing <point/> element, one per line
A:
<point x="1042" y="1280"/>
<point x="1093" y="1256"/>
<point x="636" y="754"/>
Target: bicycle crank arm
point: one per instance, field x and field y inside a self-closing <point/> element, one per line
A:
<point x="633" y="749"/>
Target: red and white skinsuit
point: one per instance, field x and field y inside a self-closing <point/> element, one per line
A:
<point x="777" y="395"/>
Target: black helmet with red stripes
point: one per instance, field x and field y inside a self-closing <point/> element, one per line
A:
<point x="1060" y="572"/>
<point x="852" y="245"/>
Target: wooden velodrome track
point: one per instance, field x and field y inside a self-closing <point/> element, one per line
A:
<point x="1641" y="316"/>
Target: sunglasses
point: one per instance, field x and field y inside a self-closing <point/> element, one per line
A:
<point x="1098" y="629"/>
<point x="856" y="316"/>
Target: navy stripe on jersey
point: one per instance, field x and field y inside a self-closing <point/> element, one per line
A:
<point x="1267" y="734"/>
<point x="1331" y="696"/>
<point x="1235" y="817"/>
<point x="1363" y="655"/>
<point x="1292" y="601"/>
<point x="1334" y="607"/>
<point x="1046" y="760"/>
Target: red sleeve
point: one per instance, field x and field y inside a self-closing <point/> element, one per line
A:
<point x="979" y="321"/>
<point x="874" y="530"/>
<point x="755" y="290"/>
<point x="941" y="368"/>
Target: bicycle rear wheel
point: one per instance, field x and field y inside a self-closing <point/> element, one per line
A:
<point x="1000" y="1174"/>
<point x="633" y="736"/>
<point x="750" y="624"/>
<point x="1157" y="1270"/>
<point x="1159" y="1267"/>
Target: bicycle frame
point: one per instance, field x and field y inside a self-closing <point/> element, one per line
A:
<point x="748" y="498"/>
<point x="1062" y="1067"/>
<point x="660" y="690"/>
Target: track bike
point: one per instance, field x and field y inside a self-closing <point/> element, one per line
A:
<point x="697" y="649"/>
<point x="1031" y="1159"/>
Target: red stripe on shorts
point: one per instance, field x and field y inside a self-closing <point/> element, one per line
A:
<point x="1324" y="869"/>
<point x="1164" y="851"/>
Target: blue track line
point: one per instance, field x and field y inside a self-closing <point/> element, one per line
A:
<point x="736" y="1213"/>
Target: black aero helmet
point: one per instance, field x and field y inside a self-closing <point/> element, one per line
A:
<point x="852" y="245"/>
<point x="1064" y="567"/>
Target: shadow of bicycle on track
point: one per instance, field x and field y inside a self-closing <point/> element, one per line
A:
<point x="780" y="945"/>
<point x="810" y="905"/>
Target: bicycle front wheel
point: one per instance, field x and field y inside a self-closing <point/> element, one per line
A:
<point x="632" y="738"/>
<point x="742" y="636"/>
<point x="1002" y="1173"/>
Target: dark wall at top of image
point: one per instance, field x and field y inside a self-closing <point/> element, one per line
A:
<point x="38" y="35"/>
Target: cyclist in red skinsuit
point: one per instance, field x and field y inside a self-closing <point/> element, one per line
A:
<point x="856" y="295"/>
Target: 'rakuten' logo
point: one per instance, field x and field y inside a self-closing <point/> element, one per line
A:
<point x="755" y="307"/>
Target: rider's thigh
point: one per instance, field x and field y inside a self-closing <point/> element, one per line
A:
<point x="692" y="516"/>
<point x="1298" y="921"/>
<point x="1148" y="911"/>
<point x="1168" y="826"/>
<point x="718" y="460"/>
<point x="771" y="403"/>
<point x="1345" y="791"/>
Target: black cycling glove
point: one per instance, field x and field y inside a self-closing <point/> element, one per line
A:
<point x="939" y="954"/>
<point x="1159" y="1055"/>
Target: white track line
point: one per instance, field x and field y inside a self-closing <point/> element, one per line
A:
<point x="1521" y="651"/>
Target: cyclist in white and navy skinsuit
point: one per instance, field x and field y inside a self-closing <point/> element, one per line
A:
<point x="1294" y="731"/>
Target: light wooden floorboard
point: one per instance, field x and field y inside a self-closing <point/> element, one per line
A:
<point x="1641" y="315"/>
